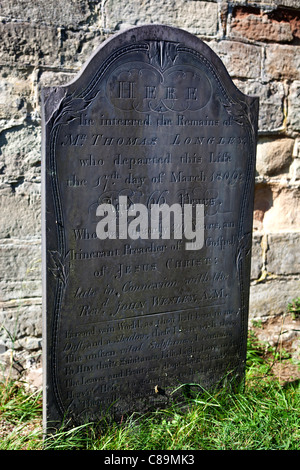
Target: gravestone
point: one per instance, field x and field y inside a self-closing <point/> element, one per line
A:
<point x="137" y="303"/>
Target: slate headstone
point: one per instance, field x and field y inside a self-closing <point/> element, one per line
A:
<point x="132" y="312"/>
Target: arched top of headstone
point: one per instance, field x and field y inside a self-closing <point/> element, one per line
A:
<point x="162" y="48"/>
<point x="148" y="174"/>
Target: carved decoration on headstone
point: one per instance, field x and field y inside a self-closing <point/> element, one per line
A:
<point x="129" y="309"/>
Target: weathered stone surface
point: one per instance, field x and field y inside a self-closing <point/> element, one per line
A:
<point x="296" y="151"/>
<point x="271" y="99"/>
<point x="295" y="170"/>
<point x="286" y="15"/>
<point x="241" y="60"/>
<point x="33" y="44"/>
<point x="20" y="260"/>
<point x="53" y="12"/>
<point x="20" y="157"/>
<point x="274" y="156"/>
<point x="271" y="297"/>
<point x="29" y="342"/>
<point x="257" y="256"/>
<point x="283" y="255"/>
<point x="282" y="62"/>
<point x="294" y="106"/>
<point x="53" y="78"/>
<point x="20" y="213"/>
<point x="77" y="45"/>
<point x="267" y="4"/>
<point x="20" y="286"/>
<point x="8" y="363"/>
<point x="257" y="25"/>
<point x="20" y="182"/>
<point x="22" y="365"/>
<point x="286" y="3"/>
<point x="284" y="214"/>
<point x="276" y="208"/>
<point x="195" y="17"/>
<point x="263" y="200"/>
<point x="283" y="332"/>
<point x="13" y="291"/>
<point x="29" y="44"/>
<point x="15" y="94"/>
<point x="33" y="377"/>
<point x="22" y="323"/>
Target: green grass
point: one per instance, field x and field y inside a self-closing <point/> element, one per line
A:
<point x="264" y="415"/>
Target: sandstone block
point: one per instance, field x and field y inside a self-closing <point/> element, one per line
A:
<point x="49" y="78"/>
<point x="8" y="367"/>
<point x="196" y="17"/>
<point x="263" y="200"/>
<point x="295" y="170"/>
<point x="257" y="25"/>
<point x="15" y="94"/>
<point x="29" y="343"/>
<point x="274" y="156"/>
<point x="77" y="46"/>
<point x="27" y="44"/>
<point x="14" y="291"/>
<point x="294" y="106"/>
<point x="21" y="322"/>
<point x="271" y="298"/>
<point x="20" y="286"/>
<point x="282" y="62"/>
<point x="271" y="97"/>
<point x="20" y="260"/>
<point x="296" y="151"/>
<point x="20" y="213"/>
<point x="20" y="158"/>
<point x="241" y="60"/>
<point x="51" y="12"/>
<point x="284" y="332"/>
<point x="256" y="256"/>
<point x="268" y="3"/>
<point x="283" y="255"/>
<point x="276" y="208"/>
<point x="287" y="3"/>
<point x="284" y="213"/>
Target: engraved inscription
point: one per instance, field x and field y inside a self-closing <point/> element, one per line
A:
<point x="146" y="88"/>
<point x="153" y="122"/>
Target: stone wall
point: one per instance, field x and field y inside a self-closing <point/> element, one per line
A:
<point x="46" y="42"/>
